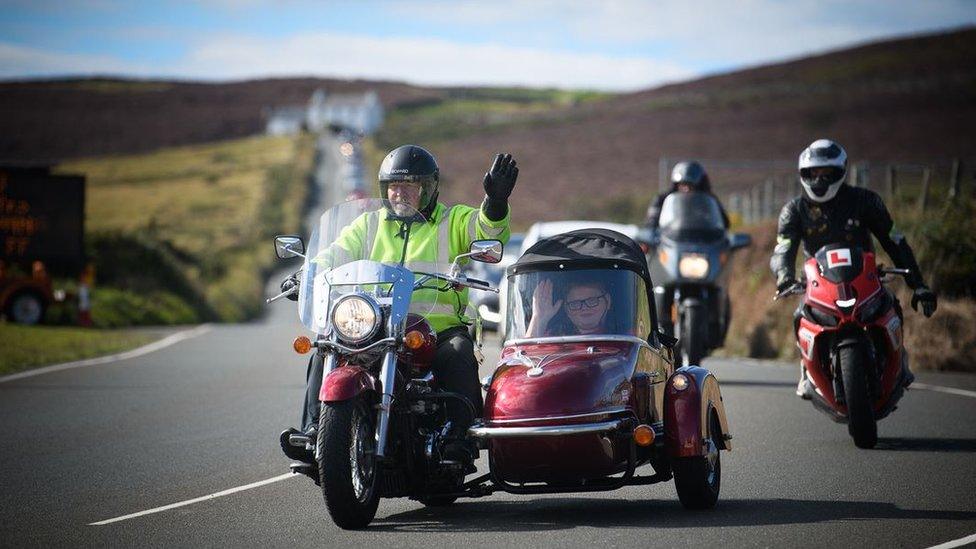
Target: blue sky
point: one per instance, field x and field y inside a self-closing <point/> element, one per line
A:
<point x="610" y="45"/>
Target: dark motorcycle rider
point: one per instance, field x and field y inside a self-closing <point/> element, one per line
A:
<point x="409" y="179"/>
<point x="686" y="177"/>
<point x="830" y="212"/>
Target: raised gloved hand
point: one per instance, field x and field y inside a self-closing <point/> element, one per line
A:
<point x="927" y="298"/>
<point x="500" y="179"/>
<point x="289" y="283"/>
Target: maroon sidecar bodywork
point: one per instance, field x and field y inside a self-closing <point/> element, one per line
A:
<point x="570" y="416"/>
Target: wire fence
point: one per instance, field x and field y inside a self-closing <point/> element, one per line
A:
<point x="763" y="187"/>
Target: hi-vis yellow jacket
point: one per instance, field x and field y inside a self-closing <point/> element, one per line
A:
<point x="432" y="247"/>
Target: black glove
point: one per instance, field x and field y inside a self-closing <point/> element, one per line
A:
<point x="500" y="179"/>
<point x="927" y="298"/>
<point x="289" y="283"/>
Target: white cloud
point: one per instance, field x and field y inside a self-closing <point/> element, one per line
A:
<point x="19" y="61"/>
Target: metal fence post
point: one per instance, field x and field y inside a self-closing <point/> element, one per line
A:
<point x="924" y="199"/>
<point x="768" y="202"/>
<point x="954" y="179"/>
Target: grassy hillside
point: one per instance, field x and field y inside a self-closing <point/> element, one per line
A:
<point x="183" y="234"/>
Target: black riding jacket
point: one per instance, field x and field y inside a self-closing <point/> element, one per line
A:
<point x="653" y="216"/>
<point x="852" y="216"/>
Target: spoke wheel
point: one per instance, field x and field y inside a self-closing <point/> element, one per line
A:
<point x="347" y="462"/>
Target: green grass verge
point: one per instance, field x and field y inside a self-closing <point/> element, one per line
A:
<point x="183" y="234"/>
<point x="26" y="347"/>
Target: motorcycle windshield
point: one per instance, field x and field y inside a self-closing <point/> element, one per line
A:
<point x="577" y="302"/>
<point x="691" y="216"/>
<point x="357" y="247"/>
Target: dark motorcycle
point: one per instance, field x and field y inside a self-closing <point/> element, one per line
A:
<point x="383" y="425"/>
<point x="689" y="254"/>
<point x="849" y="334"/>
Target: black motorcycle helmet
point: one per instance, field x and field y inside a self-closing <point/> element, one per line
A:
<point x="412" y="164"/>
<point x="690" y="173"/>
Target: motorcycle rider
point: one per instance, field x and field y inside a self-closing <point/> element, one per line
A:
<point x="409" y="180"/>
<point x="830" y="212"/>
<point x="686" y="177"/>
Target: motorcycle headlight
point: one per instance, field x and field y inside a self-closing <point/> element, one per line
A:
<point x="693" y="266"/>
<point x="356" y="318"/>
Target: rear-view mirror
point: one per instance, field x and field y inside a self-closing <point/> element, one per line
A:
<point x="486" y="251"/>
<point x="288" y="246"/>
<point x="740" y="240"/>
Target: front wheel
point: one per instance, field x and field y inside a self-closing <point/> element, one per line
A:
<point x="861" y="424"/>
<point x="694" y="328"/>
<point x="26" y="308"/>
<point x="347" y="462"/>
<point x="698" y="479"/>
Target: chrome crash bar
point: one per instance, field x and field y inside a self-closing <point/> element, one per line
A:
<point x="479" y="431"/>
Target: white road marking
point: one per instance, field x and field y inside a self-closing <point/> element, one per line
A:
<point x="208" y="497"/>
<point x="955" y="543"/>
<point x="941" y="389"/>
<point x="145" y="349"/>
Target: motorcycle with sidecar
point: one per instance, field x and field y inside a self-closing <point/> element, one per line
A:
<point x="564" y="412"/>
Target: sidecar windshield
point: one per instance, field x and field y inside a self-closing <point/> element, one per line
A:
<point x="691" y="216"/>
<point x="356" y="247"/>
<point x="577" y="302"/>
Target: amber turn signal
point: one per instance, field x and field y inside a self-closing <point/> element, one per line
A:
<point x="413" y="340"/>
<point x="644" y="435"/>
<point x="302" y="345"/>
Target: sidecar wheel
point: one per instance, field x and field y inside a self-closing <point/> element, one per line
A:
<point x="348" y="470"/>
<point x="861" y="424"/>
<point x="699" y="479"/>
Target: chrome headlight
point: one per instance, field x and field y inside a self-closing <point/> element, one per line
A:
<point x="356" y="318"/>
<point x="693" y="266"/>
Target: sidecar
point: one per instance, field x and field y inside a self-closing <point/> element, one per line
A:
<point x="585" y="392"/>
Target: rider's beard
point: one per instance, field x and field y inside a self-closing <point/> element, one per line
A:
<point x="402" y="208"/>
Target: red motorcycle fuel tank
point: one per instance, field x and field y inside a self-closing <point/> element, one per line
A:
<point x="560" y="384"/>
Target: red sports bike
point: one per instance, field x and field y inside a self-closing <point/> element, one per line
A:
<point x="849" y="332"/>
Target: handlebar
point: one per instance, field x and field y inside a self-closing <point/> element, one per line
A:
<point x="797" y="288"/>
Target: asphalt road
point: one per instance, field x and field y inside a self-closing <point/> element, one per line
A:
<point x="203" y="416"/>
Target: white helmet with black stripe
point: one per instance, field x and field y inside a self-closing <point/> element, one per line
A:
<point x="823" y="153"/>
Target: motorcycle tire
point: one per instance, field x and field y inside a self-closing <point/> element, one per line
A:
<point x="698" y="480"/>
<point x="861" y="424"/>
<point x="348" y="472"/>
<point x="694" y="332"/>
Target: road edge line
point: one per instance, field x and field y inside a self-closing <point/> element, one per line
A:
<point x="955" y="543"/>
<point x="207" y="497"/>
<point x="941" y="389"/>
<point x="167" y="341"/>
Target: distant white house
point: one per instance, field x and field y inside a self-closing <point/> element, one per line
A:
<point x="285" y="120"/>
<point x="358" y="112"/>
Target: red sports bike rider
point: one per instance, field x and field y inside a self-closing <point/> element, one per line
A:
<point x="830" y="212"/>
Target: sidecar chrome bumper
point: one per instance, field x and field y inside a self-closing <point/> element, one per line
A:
<point x="482" y="432"/>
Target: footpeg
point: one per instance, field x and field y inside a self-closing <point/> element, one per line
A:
<point x="300" y="440"/>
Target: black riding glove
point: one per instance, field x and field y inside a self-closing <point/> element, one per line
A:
<point x="499" y="182"/>
<point x="289" y="283"/>
<point x="927" y="298"/>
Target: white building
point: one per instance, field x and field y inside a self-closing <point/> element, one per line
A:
<point x="285" y="121"/>
<point x="362" y="113"/>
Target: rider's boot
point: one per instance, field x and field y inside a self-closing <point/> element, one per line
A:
<point x="803" y="387"/>
<point x="461" y="451"/>
<point x="907" y="377"/>
<point x="294" y="444"/>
